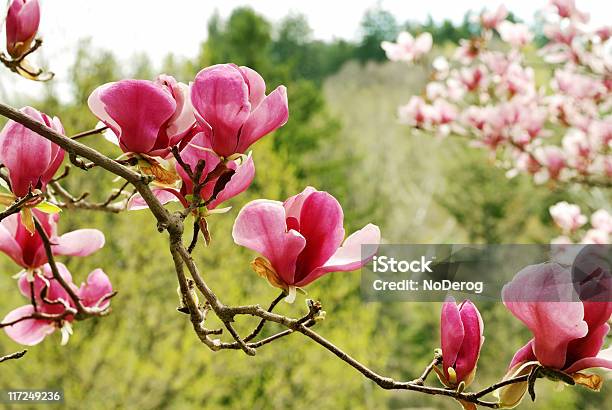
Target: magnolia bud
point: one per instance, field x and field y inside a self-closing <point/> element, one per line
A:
<point x="22" y="23"/>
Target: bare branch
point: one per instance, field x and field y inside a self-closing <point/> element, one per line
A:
<point x="88" y="133"/>
<point x="13" y="356"/>
<point x="82" y="310"/>
<point x="262" y="322"/>
<point x="437" y="360"/>
<point x="16" y="206"/>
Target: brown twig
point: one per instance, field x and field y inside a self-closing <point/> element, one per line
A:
<point x="13" y="356"/>
<point x="262" y="322"/>
<point x="437" y="360"/>
<point x="88" y="133"/>
<point x="72" y="202"/>
<point x="41" y="316"/>
<point x="17" y="64"/>
<point x="82" y="310"/>
<point x="19" y="203"/>
<point x="63" y="175"/>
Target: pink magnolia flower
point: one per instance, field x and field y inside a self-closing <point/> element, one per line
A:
<point x="31" y="160"/>
<point x="567" y="9"/>
<point x="568" y="335"/>
<point x="552" y="158"/>
<point x="491" y="19"/>
<point x="560" y="34"/>
<point x="408" y="48"/>
<point x="516" y="34"/>
<point x="200" y="149"/>
<point x="472" y="77"/>
<point x="27" y="249"/>
<point x="301" y="239"/>
<point x="22" y="22"/>
<point x="461" y="330"/>
<point x="579" y="86"/>
<point x="232" y="108"/>
<point x="567" y="216"/>
<point x="604" y="33"/>
<point x="417" y="113"/>
<point x="596" y="237"/>
<point x="601" y="219"/>
<point x="32" y="331"/>
<point x="147" y="117"/>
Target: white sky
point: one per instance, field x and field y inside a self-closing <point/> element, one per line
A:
<point x="157" y="27"/>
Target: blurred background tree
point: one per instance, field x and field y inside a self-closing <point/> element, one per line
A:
<point x="342" y="136"/>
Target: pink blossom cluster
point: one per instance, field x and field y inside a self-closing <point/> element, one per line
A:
<point x="213" y="120"/>
<point x="488" y="91"/>
<point x="50" y="307"/>
<point x="408" y="48"/>
<point x="574" y="225"/>
<point x="568" y="322"/>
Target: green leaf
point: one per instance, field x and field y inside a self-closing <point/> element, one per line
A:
<point x="4" y="185"/>
<point x="48" y="208"/>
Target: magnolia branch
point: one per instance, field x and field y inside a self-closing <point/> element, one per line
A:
<point x="173" y="223"/>
<point x="88" y="133"/>
<point x="82" y="310"/>
<point x="13" y="356"/>
<point x="72" y="202"/>
<point x="19" y="65"/>
<point x="19" y="203"/>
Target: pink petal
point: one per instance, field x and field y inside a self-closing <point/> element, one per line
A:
<point x="28" y="332"/>
<point x="25" y="154"/>
<point x="603" y="360"/>
<point x="8" y="244"/>
<point x="349" y="256"/>
<point x="57" y="154"/>
<point x="261" y="226"/>
<point x="588" y="346"/>
<point x="597" y="313"/>
<point x="98" y="109"/>
<point x="183" y="119"/>
<point x="257" y="86"/>
<point x="97" y="287"/>
<point x="423" y="43"/>
<point x="25" y="286"/>
<point x="198" y="149"/>
<point x="467" y="358"/>
<point x="55" y="163"/>
<point x="54" y="292"/>
<point x="33" y="250"/>
<point x="524" y="354"/>
<point x="293" y="205"/>
<point x="140" y="108"/>
<point x="321" y="224"/>
<point x="451" y="333"/>
<point x="531" y="298"/>
<point x="137" y="202"/>
<point x="220" y="97"/>
<point x="271" y="114"/>
<point x="81" y="242"/>
<point x="239" y="182"/>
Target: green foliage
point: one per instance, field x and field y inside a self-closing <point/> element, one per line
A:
<point x="244" y="39"/>
<point x="377" y="25"/>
